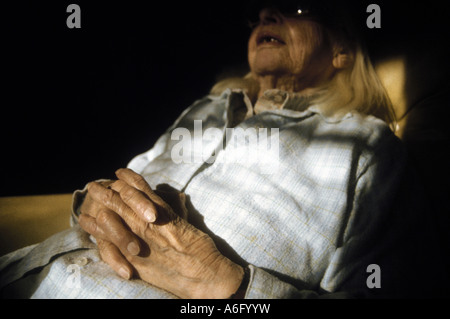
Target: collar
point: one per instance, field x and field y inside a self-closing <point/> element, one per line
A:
<point x="289" y="104"/>
<point x="276" y="99"/>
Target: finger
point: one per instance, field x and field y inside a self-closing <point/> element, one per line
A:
<point x="134" y="179"/>
<point x="89" y="224"/>
<point x="116" y="232"/>
<point x="137" y="201"/>
<point x="113" y="257"/>
<point x="137" y="181"/>
<point x="107" y="197"/>
<point x="111" y="199"/>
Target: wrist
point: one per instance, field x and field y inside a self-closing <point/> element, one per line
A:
<point x="228" y="281"/>
<point x="241" y="291"/>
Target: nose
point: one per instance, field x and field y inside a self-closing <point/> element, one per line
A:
<point x="270" y="16"/>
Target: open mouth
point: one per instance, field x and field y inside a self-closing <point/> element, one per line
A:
<point x="269" y="38"/>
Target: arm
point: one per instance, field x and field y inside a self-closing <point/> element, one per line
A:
<point x="108" y="252"/>
<point x="365" y="236"/>
<point x="173" y="254"/>
<point x="216" y="276"/>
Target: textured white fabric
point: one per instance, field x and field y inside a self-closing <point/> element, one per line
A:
<point x="307" y="216"/>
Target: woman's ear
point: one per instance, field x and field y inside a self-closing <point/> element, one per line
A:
<point x="343" y="59"/>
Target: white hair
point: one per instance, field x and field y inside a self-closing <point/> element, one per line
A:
<point x="356" y="88"/>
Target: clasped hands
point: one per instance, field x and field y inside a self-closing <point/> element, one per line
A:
<point x="144" y="232"/>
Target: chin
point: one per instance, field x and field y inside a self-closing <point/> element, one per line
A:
<point x="268" y="69"/>
<point x="267" y="60"/>
<point x="267" y="64"/>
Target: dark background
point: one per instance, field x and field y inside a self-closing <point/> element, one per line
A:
<point x="77" y="104"/>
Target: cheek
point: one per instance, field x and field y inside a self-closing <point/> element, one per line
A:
<point x="299" y="57"/>
<point x="306" y="46"/>
<point x="251" y="51"/>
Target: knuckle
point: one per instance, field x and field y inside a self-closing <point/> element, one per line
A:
<point x="89" y="225"/>
<point x="121" y="236"/>
<point x="84" y="222"/>
<point x="107" y="195"/>
<point x="128" y="194"/>
<point x="108" y="252"/>
<point x="140" y="182"/>
<point x="103" y="217"/>
<point x="135" y="177"/>
<point x="113" y="228"/>
<point x="133" y="259"/>
<point x="103" y="248"/>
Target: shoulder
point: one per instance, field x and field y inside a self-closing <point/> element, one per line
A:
<point x="377" y="143"/>
<point x="366" y="129"/>
<point x="377" y="132"/>
<point x="369" y="139"/>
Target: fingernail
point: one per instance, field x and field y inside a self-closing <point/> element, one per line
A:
<point x="123" y="272"/>
<point x="149" y="215"/>
<point x="133" y="248"/>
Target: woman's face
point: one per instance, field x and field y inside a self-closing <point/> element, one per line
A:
<point x="289" y="46"/>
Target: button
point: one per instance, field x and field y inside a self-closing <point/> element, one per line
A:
<point x="269" y="93"/>
<point x="81" y="261"/>
<point x="278" y="98"/>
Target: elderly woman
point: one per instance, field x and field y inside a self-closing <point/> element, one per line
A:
<point x="322" y="211"/>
